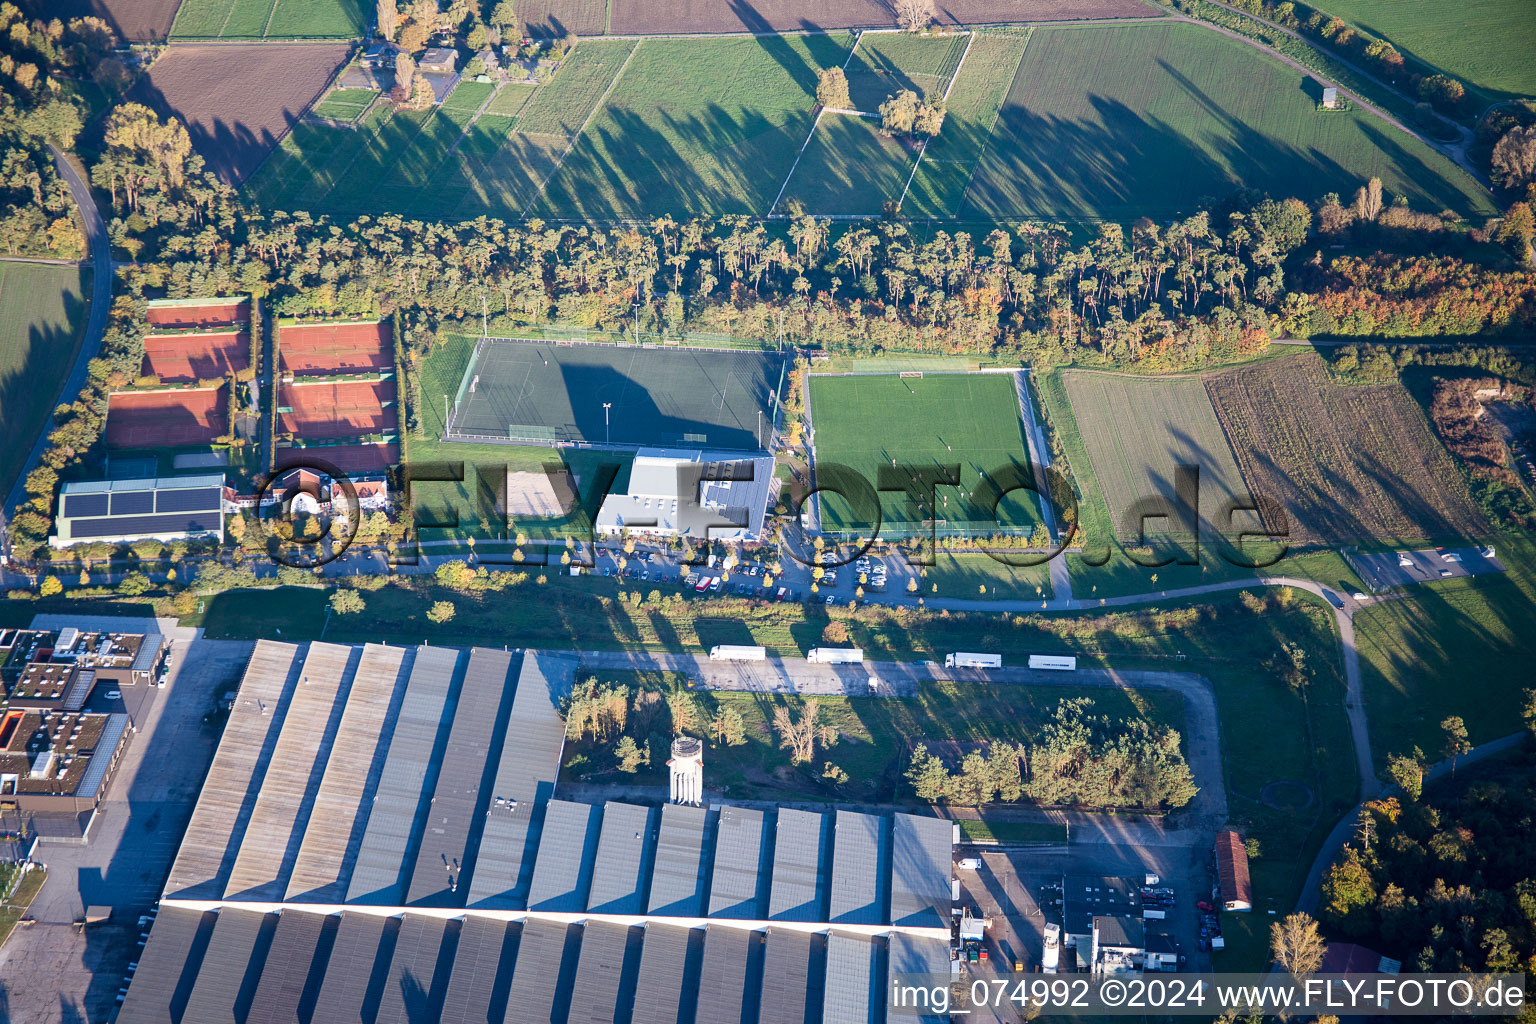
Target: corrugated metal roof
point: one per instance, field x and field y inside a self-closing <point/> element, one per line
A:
<point x="482" y="972"/>
<point x="680" y="870"/>
<point x="232" y="965"/>
<point x="144" y="483"/>
<point x="290" y="982"/>
<point x="922" y="857"/>
<point x="458" y="802"/>
<point x="168" y="967"/>
<point x="101" y="757"/>
<point x="669" y="975"/>
<point x="418" y="973"/>
<point x="546" y="970"/>
<point x="800" y="876"/>
<point x="149" y="650"/>
<point x="739" y="886"/>
<point x="399" y="810"/>
<point x="911" y="954"/>
<point x="793" y="971"/>
<point x="624" y="851"/>
<point x="229" y="792"/>
<point x="605" y="973"/>
<point x="292" y="779"/>
<point x="567" y="846"/>
<point x="525" y="778"/>
<point x="354" y="976"/>
<point x="861" y="868"/>
<point x="336" y="825"/>
<point x="730" y="975"/>
<point x="854" y="989"/>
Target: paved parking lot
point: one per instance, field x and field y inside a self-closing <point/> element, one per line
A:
<point x="1382" y="570"/>
<point x="53" y="971"/>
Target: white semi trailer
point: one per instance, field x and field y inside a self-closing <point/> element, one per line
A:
<point x="835" y="655"/>
<point x="963" y="659"/>
<point x="1055" y="662"/>
<point x="737" y="652"/>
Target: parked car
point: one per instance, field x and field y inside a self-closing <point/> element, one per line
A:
<point x="1204" y="905"/>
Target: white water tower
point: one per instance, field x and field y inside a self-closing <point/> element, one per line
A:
<point x="686" y="770"/>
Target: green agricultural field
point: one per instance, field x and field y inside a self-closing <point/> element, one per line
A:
<point x="510" y="99"/>
<point x="1487" y="44"/>
<point x="1136" y="431"/>
<point x="969" y="420"/>
<point x="269" y="19"/>
<point x="1451" y="647"/>
<point x="465" y="99"/>
<point x="562" y="106"/>
<point x="850" y="167"/>
<point x="42" y="315"/>
<point x="667" y="142"/>
<point x="887" y="62"/>
<point x="345" y="104"/>
<point x="1129" y="120"/>
<point x="978" y="93"/>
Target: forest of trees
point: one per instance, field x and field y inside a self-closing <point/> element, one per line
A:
<point x="1445" y="882"/>
<point x="1077" y="760"/>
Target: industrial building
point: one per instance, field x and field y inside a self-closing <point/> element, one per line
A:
<point x="379" y="838"/>
<point x="1232" y="882"/>
<point x="680" y="493"/>
<point x="59" y="669"/>
<point x="146" y="508"/>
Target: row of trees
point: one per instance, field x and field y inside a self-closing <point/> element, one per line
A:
<point x="1077" y="759"/>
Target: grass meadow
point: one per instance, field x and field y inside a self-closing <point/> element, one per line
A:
<point x="850" y="167"/>
<point x="42" y="317"/>
<point x="345" y="104"/>
<point x="969" y="420"/>
<point x="887" y="62"/>
<point x="978" y="93"/>
<point x="1487" y="44"/>
<point x="269" y="19"/>
<point x="695" y="127"/>
<point x="1099" y="117"/>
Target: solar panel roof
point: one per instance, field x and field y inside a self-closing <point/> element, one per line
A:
<point x="624" y="849"/>
<point x="922" y="856"/>
<point x="800" y="879"/>
<point x="398" y="812"/>
<point x="680" y="869"/>
<point x="189" y="499"/>
<point x="132" y="503"/>
<point x="168" y="967"/>
<point x="458" y="803"/>
<point x="85" y="505"/>
<point x="861" y="868"/>
<point x="739" y="886"/>
<point x="117" y="526"/>
<point x="567" y="846"/>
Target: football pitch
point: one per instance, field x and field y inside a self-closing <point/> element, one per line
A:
<point x="536" y="392"/>
<point x="969" y="420"/>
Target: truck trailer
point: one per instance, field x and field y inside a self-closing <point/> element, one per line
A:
<point x="737" y="652"/>
<point x="835" y="655"/>
<point x="1055" y="662"/>
<point x="963" y="659"/>
<point x="1051" y="955"/>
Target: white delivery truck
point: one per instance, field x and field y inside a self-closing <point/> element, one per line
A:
<point x="1052" y="953"/>
<point x="736" y="652"/>
<point x="1056" y="662"/>
<point x="963" y="659"/>
<point x="835" y="655"/>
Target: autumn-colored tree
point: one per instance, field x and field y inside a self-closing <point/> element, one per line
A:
<point x="1296" y="944"/>
<point x="387" y="15"/>
<point x="832" y="89"/>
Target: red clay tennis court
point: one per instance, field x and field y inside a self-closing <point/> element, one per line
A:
<point x="165" y="419"/>
<point x="326" y="348"/>
<point x="349" y="458"/>
<point x="340" y="408"/>
<point x="214" y="313"/>
<point x="175" y="358"/>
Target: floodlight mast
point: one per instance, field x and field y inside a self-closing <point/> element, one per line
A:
<point x="607" y="435"/>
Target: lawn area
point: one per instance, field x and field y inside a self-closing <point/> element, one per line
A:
<point x="975" y="831"/>
<point x="1487" y="44"/>
<point x="850" y="167"/>
<point x="345" y="104"/>
<point x="510" y="99"/>
<point x="865" y="422"/>
<point x="1121" y="576"/>
<point x="716" y="138"/>
<point x="42" y="319"/>
<point x="1119" y="121"/>
<point x="26" y="892"/>
<point x="876" y="734"/>
<point x="1451" y="647"/>
<point x="1136" y="432"/>
<point x="888" y="62"/>
<point x="275" y="19"/>
<point x="978" y="93"/>
<point x="465" y="99"/>
<point x="963" y="575"/>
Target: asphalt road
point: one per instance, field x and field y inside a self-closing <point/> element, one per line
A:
<point x="101" y="299"/>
